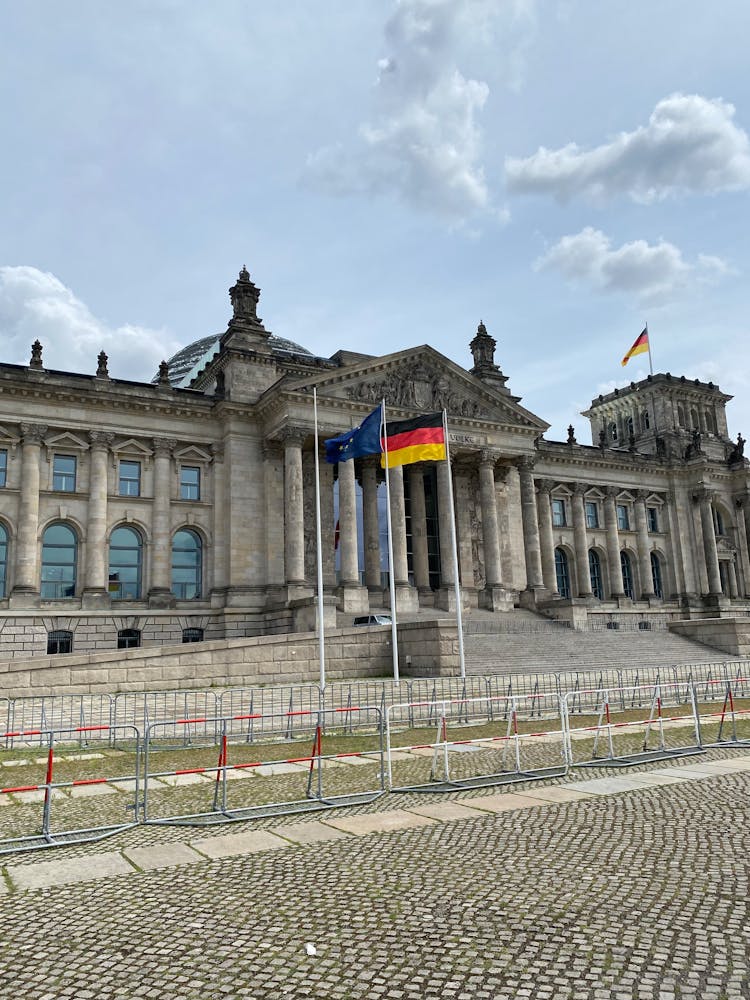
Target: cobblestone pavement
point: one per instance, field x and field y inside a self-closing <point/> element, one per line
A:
<point x="636" y="895"/>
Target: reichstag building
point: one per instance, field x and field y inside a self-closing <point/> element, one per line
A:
<point x="184" y="509"/>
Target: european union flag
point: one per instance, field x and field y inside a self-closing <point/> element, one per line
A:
<point x="362" y="440"/>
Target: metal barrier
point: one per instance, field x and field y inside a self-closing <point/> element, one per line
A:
<point x="277" y="783"/>
<point x="730" y="726"/>
<point x="64" y="792"/>
<point x="622" y="732"/>
<point x="141" y="708"/>
<point x="88" y="715"/>
<point x="478" y="742"/>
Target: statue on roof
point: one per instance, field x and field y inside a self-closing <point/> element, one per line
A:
<point x="244" y="295"/>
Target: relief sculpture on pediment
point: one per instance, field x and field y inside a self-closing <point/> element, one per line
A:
<point x="417" y="387"/>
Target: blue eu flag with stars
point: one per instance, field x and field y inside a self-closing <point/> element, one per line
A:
<point x="362" y="440"/>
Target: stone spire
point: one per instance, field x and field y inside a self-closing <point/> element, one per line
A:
<point x="482" y="349"/>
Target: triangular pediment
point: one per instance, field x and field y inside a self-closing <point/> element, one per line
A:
<point x="66" y="440"/>
<point x="132" y="448"/>
<point x="8" y="437"/>
<point x="192" y="454"/>
<point x="417" y="381"/>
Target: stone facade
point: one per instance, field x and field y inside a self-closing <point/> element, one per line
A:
<point x="144" y="514"/>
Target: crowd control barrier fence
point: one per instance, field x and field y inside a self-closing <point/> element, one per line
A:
<point x="729" y="724"/>
<point x="476" y="742"/>
<point x="657" y="722"/>
<point x="87" y="715"/>
<point x="319" y="775"/>
<point x="53" y="823"/>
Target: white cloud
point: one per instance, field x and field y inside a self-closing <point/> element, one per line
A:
<point x="424" y="141"/>
<point x="691" y="144"/>
<point x="650" y="273"/>
<point x="35" y="305"/>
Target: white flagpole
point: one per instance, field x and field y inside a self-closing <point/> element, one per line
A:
<point x="454" y="544"/>
<point x="648" y="341"/>
<point x="321" y="627"/>
<point x="391" y="575"/>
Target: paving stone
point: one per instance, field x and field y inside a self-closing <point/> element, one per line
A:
<point x="308" y="833"/>
<point x="180" y="780"/>
<point x="80" y="756"/>
<point x="37" y="795"/>
<point x="378" y="822"/>
<point x="505" y="801"/>
<point x="555" y="793"/>
<point x="89" y="791"/>
<point x="86" y="869"/>
<point x="232" y="844"/>
<point x="446" y="811"/>
<point x="162" y="856"/>
<point x="269" y="770"/>
<point x="606" y="786"/>
<point x="17" y="763"/>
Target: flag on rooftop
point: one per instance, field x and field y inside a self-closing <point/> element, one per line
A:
<point x="639" y="347"/>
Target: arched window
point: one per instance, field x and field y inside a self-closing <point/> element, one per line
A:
<point x="694" y="421"/>
<point x="719" y="522"/>
<point x="656" y="575"/>
<point x="562" y="573"/>
<point x="645" y="420"/>
<point x="627" y="575"/>
<point x="3" y="560"/>
<point x="595" y="573"/>
<point x="59" y="558"/>
<point x="128" y="638"/>
<point x="630" y="427"/>
<point x="681" y="419"/>
<point x="125" y="559"/>
<point x="187" y="565"/>
<point x="711" y="422"/>
<point x="613" y="430"/>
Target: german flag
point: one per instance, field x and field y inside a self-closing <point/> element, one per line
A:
<point x="421" y="439"/>
<point x="639" y="347"/>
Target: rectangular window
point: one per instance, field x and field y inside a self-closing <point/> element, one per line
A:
<point x="653" y="519"/>
<point x="623" y="521"/>
<point x="3" y="467"/>
<point x="558" y="513"/>
<point x="190" y="482"/>
<point x="59" y="642"/>
<point x="592" y="515"/>
<point x="130" y="479"/>
<point x="64" y="473"/>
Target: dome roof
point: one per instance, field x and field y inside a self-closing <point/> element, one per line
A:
<point x="188" y="361"/>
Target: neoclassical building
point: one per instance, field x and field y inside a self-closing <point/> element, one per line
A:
<point x="184" y="509"/>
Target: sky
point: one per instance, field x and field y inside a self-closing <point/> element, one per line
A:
<point x="391" y="172"/>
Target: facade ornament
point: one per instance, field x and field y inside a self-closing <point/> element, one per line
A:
<point x="244" y="295"/>
<point x="703" y="494"/>
<point x="164" y="375"/>
<point x="294" y="435"/>
<point x="545" y="485"/>
<point x="164" y="446"/>
<point x="418" y="386"/>
<point x="526" y="463"/>
<point x="737" y="453"/>
<point x="612" y="492"/>
<point x="100" y="439"/>
<point x="602" y="439"/>
<point x="36" y="356"/>
<point x="579" y="489"/>
<point x="33" y="433"/>
<point x="102" y="370"/>
<point x="571" y="435"/>
<point x="694" y="448"/>
<point x="487" y="457"/>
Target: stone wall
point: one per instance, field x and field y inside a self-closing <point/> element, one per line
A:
<point x="731" y="635"/>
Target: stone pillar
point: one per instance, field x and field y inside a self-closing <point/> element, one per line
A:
<point x="273" y="491"/>
<point x="352" y="596"/>
<point x="462" y="505"/>
<point x="711" y="554"/>
<point x="581" y="541"/>
<point x="96" y="577"/>
<point x="531" y="544"/>
<point x="220" y="582"/>
<point x="546" y="535"/>
<point x="419" y="530"/>
<point x="160" y="593"/>
<point x="732" y="571"/>
<point x="494" y="597"/>
<point x="644" y="546"/>
<point x="616" y="588"/>
<point x="743" y="530"/>
<point x="446" y="598"/>
<point x="327" y="522"/>
<point x="406" y="595"/>
<point x="371" y="526"/>
<point x="26" y="571"/>
<point x="294" y="514"/>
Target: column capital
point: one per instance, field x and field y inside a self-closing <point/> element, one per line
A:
<point x="545" y="485"/>
<point x="33" y="433"/>
<point x="526" y="463"/>
<point x="487" y="457"/>
<point x="610" y="492"/>
<point x="217" y="452"/>
<point x="293" y="436"/>
<point x="703" y="494"/>
<point x="579" y="489"/>
<point x="642" y="495"/>
<point x="100" y="440"/>
<point x="164" y="446"/>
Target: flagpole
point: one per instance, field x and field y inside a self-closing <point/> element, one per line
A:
<point x="391" y="575"/>
<point x="319" y="544"/>
<point x="454" y="545"/>
<point x="648" y="341"/>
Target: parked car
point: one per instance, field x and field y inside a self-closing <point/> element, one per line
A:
<point x="373" y="620"/>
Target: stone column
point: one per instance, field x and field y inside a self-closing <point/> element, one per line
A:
<point x="371" y="526"/>
<point x="327" y="522"/>
<point x="419" y="529"/>
<point x="711" y="554"/>
<point x="273" y="489"/>
<point x="96" y="578"/>
<point x="732" y="570"/>
<point x="546" y="535"/>
<point x="616" y="588"/>
<point x="294" y="514"/>
<point x="406" y="595"/>
<point x="26" y="571"/>
<point x="352" y="596"/>
<point x="462" y="505"/>
<point x="220" y="582"/>
<point x="495" y="597"/>
<point x="531" y="544"/>
<point x="644" y="546"/>
<point x="160" y="594"/>
<point x="743" y="529"/>
<point x="446" y="598"/>
<point x="581" y="541"/>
